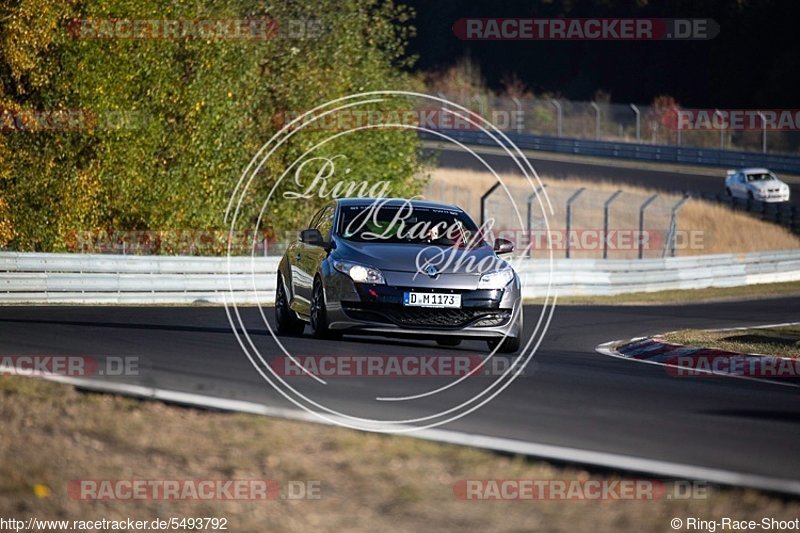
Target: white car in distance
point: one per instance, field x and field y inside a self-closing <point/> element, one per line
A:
<point x="756" y="184"/>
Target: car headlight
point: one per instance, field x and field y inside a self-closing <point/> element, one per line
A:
<point x="360" y="273"/>
<point x="496" y="280"/>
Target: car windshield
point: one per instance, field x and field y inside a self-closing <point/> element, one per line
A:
<point x="407" y="224"/>
<point x="760" y="177"/>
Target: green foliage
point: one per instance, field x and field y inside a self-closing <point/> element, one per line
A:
<point x="168" y="125"/>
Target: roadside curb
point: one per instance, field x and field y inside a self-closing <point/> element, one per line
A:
<point x="683" y="361"/>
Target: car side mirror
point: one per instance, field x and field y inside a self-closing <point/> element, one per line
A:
<point x="312" y="237"/>
<point x="503" y="246"/>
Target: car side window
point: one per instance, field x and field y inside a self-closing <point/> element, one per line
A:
<point x="315" y="219"/>
<point x="325" y="223"/>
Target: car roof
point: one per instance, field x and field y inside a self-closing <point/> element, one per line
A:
<point x="755" y="170"/>
<point x="395" y="202"/>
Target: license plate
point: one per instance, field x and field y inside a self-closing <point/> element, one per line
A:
<point x="431" y="299"/>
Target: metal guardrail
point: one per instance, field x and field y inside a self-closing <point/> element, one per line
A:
<point x="579" y="277"/>
<point x="103" y="279"/>
<point x="633" y="151"/>
<point x="31" y="278"/>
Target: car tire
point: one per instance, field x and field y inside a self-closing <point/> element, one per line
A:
<point x="507" y="344"/>
<point x="319" y="314"/>
<point x="288" y="323"/>
<point x="448" y="341"/>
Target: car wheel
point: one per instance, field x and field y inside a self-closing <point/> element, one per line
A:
<point x="507" y="345"/>
<point x="448" y="341"/>
<point x="288" y="323"/>
<point x="319" y="314"/>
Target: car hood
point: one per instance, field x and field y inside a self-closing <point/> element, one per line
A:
<point x="412" y="257"/>
<point x="764" y="185"/>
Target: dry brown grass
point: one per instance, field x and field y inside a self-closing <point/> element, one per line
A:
<point x="782" y="341"/>
<point x="685" y="296"/>
<point x="52" y="434"/>
<point x="723" y="230"/>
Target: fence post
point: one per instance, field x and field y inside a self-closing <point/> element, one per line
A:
<point x="533" y="195"/>
<point x="569" y="214"/>
<point x="641" y="223"/>
<point x="721" y="129"/>
<point x="606" y="205"/>
<point x="557" y="105"/>
<point x="672" y="235"/>
<point x="596" y="120"/>
<point x="518" y="119"/>
<point x="483" y="201"/>
<point x="638" y="123"/>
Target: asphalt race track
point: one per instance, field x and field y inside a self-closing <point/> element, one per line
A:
<point x="570" y="395"/>
<point x="663" y="180"/>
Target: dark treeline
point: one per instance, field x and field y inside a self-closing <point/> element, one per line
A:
<point x="754" y="62"/>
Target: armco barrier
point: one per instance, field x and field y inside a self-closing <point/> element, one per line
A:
<point x="115" y="279"/>
<point x="658" y="153"/>
<point x="126" y="279"/>
<point x="578" y="277"/>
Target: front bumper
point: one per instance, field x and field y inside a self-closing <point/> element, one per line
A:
<point x="772" y="198"/>
<point x="379" y="309"/>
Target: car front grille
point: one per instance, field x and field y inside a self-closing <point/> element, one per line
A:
<point x="428" y="318"/>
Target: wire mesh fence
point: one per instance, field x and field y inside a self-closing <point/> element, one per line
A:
<point x="663" y="124"/>
<point x="573" y="221"/>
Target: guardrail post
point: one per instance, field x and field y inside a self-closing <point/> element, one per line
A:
<point x="641" y="223"/>
<point x="483" y="201"/>
<point x="569" y="215"/>
<point x="606" y="206"/>
<point x="533" y="195"/>
<point x="672" y="234"/>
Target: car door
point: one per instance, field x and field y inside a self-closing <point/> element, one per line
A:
<point x="314" y="255"/>
<point x="308" y="258"/>
<point x="302" y="271"/>
<point x="740" y="189"/>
